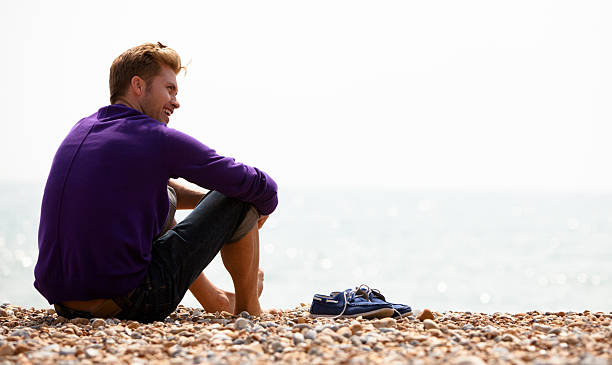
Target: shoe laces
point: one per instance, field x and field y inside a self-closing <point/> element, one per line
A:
<point x="350" y="295"/>
<point x="371" y="291"/>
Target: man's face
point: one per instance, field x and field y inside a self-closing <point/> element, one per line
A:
<point x="159" y="97"/>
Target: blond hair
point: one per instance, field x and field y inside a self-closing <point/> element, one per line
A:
<point x="144" y="61"/>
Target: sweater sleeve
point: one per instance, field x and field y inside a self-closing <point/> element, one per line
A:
<point x="195" y="162"/>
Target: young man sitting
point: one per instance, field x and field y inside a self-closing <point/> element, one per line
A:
<point x="108" y="243"/>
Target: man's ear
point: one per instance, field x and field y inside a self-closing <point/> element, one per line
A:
<point x="137" y="84"/>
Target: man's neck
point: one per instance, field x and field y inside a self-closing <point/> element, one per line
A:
<point x="129" y="104"/>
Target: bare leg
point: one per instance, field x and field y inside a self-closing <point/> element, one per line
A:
<point x="214" y="299"/>
<point x="241" y="259"/>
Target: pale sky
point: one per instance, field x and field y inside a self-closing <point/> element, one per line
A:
<point x="468" y="95"/>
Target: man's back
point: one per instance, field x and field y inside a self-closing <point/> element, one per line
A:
<point x="106" y="200"/>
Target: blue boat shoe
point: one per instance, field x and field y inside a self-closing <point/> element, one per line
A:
<point x="349" y="303"/>
<point x="375" y="296"/>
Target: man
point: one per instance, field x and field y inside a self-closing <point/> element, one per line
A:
<point x="105" y="243"/>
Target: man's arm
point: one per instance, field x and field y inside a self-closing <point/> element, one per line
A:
<point x="192" y="160"/>
<point x="186" y="197"/>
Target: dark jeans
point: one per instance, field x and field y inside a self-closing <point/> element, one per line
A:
<point x="180" y="255"/>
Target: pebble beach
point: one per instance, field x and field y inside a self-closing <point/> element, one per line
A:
<point x="193" y="336"/>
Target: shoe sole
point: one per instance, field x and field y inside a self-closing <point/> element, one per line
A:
<point x="395" y="315"/>
<point x="377" y="313"/>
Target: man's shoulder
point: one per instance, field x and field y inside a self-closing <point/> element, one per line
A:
<point x="123" y="119"/>
<point x="114" y="112"/>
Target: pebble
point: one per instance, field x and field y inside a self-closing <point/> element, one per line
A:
<point x="20" y="333"/>
<point x="426" y="314"/>
<point x="277" y="346"/>
<point x="67" y="351"/>
<point x="468" y="360"/>
<point x="310" y="335"/>
<point x="429" y="324"/>
<point x="326" y="339"/>
<point x="356" y="327"/>
<point x="491" y="332"/>
<point x="175" y="350"/>
<point x="384" y="323"/>
<point x="541" y="328"/>
<point x="79" y="321"/>
<point x="509" y="338"/>
<point x="220" y="337"/>
<point x="42" y="354"/>
<point x="302" y="326"/>
<point x="368" y="339"/>
<point x="90" y="352"/>
<point x="53" y="348"/>
<point x="345" y="332"/>
<point x="435" y="332"/>
<point x="33" y="336"/>
<point x="298" y="338"/>
<point x="98" y="323"/>
<point x="6" y="313"/>
<point x="242" y="323"/>
<point x="7" y="350"/>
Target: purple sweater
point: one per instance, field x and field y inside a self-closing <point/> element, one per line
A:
<point x="106" y="199"/>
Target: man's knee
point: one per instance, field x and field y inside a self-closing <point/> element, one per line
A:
<point x="248" y="222"/>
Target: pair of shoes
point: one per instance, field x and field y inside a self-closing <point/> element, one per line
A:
<point x="360" y="301"/>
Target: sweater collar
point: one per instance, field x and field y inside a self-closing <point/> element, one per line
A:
<point x="114" y="111"/>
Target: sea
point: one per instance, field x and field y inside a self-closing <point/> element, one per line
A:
<point x="443" y="250"/>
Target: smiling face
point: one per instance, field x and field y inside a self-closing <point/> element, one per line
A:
<point x="158" y="99"/>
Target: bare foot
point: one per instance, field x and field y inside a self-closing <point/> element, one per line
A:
<point x="231" y="297"/>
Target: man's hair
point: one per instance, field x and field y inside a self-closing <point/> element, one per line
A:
<point x="144" y="61"/>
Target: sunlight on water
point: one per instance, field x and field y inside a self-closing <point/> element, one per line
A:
<point x="269" y="248"/>
<point x="392" y="212"/>
<point x="326" y="264"/>
<point x="357" y="272"/>
<point x="291" y="252"/>
<point x="426" y="205"/>
<point x="20" y="239"/>
<point x="559" y="279"/>
<point x="517" y="212"/>
<point x="444" y="251"/>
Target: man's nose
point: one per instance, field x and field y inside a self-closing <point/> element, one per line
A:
<point x="176" y="104"/>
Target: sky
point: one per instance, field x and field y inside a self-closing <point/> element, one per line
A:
<point x="452" y="95"/>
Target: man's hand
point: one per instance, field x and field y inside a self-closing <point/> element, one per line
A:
<point x="187" y="198"/>
<point x="261" y="221"/>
